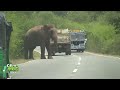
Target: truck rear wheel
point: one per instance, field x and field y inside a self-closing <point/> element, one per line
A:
<point x="82" y="51"/>
<point x="78" y="50"/>
<point x="70" y="53"/>
<point x="66" y="53"/>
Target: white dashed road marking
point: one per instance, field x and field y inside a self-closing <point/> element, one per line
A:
<point x="78" y="63"/>
<point x="79" y="58"/>
<point x="75" y="70"/>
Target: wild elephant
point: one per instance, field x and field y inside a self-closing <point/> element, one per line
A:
<point x="39" y="36"/>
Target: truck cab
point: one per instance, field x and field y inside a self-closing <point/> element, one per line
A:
<point x="78" y="40"/>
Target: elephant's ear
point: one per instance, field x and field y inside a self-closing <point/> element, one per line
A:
<point x="53" y="32"/>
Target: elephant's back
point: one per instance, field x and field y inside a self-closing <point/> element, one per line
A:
<point x="34" y="31"/>
<point x="34" y="35"/>
<point x="36" y="28"/>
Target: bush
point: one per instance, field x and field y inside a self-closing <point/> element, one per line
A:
<point x="100" y="37"/>
<point x="23" y="21"/>
<point x="100" y="32"/>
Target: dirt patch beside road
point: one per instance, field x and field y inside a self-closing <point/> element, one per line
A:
<point x="18" y="61"/>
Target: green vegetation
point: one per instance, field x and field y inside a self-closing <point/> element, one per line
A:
<point x="21" y="60"/>
<point x="102" y="27"/>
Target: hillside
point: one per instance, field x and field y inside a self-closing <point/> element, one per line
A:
<point x="102" y="28"/>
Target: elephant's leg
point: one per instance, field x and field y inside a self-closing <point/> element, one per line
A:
<point x="26" y="53"/>
<point x="31" y="53"/>
<point x="49" y="51"/>
<point x="43" y="51"/>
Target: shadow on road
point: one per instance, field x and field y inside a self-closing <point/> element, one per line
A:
<point x="63" y="54"/>
<point x="60" y="54"/>
<point x="74" y="51"/>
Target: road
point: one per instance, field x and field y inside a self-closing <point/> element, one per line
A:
<point x="76" y="66"/>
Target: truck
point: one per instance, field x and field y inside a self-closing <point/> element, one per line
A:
<point x="78" y="40"/>
<point x="63" y="44"/>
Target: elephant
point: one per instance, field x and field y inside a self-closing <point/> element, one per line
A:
<point x="39" y="36"/>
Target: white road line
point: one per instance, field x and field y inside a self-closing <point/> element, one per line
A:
<point x="103" y="55"/>
<point x="75" y="70"/>
<point x="74" y="55"/>
<point x="79" y="58"/>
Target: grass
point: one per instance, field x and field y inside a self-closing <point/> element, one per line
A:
<point x="19" y="61"/>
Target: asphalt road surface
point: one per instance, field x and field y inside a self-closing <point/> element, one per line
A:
<point x="75" y="66"/>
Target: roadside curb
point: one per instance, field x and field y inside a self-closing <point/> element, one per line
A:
<point x="102" y="55"/>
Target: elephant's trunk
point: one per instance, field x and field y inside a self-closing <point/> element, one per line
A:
<point x="54" y="38"/>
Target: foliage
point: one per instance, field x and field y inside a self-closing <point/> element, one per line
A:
<point x="102" y="27"/>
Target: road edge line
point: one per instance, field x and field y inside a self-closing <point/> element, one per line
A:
<point x="102" y="55"/>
